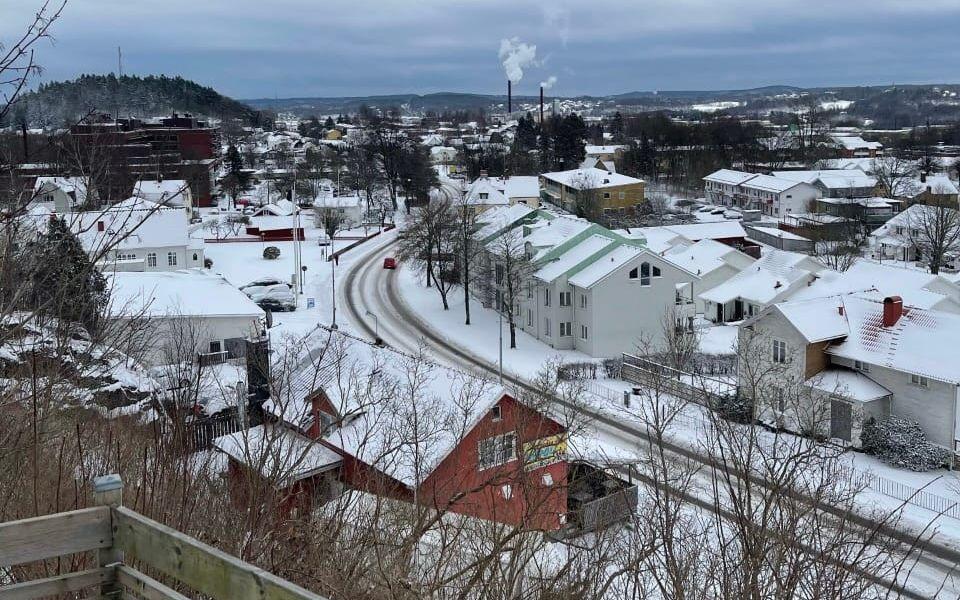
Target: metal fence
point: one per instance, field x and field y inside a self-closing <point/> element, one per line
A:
<point x="702" y="389"/>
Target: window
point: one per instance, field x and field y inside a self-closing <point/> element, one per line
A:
<point x="547" y="479"/>
<point x="564" y="298"/>
<point x="566" y="329"/>
<point x="151" y="259"/>
<point x="546" y="327"/>
<point x="645" y="274"/>
<point x="780" y="398"/>
<point x="779" y="351"/>
<point x="583" y="300"/>
<point x="195" y="257"/>
<point x="546" y="296"/>
<point x="215" y="346"/>
<point x="623" y="195"/>
<point x="634" y="273"/>
<point x="656" y="271"/>
<point x="506" y="490"/>
<point x="861" y="366"/>
<point x="484" y="195"/>
<point x="583" y="332"/>
<point x="126" y="256"/>
<point x="529" y="317"/>
<point x="497" y="450"/>
<point x="529" y="290"/>
<point x="495" y="413"/>
<point x="499" y="273"/>
<point x="171" y="259"/>
<point x="919" y="380"/>
<point x="606" y="195"/>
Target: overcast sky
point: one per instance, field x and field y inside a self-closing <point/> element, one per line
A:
<point x="284" y="48"/>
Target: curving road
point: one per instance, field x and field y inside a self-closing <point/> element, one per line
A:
<point x="369" y="294"/>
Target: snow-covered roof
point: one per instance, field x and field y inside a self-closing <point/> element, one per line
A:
<point x="917" y="288"/>
<point x="483" y="191"/>
<point x="498" y="218"/>
<point x="849" y="384"/>
<point x="779" y="233"/>
<point x="595" y="178"/>
<point x="75" y="186"/>
<point x="922" y="342"/>
<point x="276" y="451"/>
<point x="400" y="413"/>
<point x="606" y="264"/>
<point x="817" y="320"/>
<point x="573" y="257"/>
<point x="186" y="293"/>
<point x="547" y="233"/>
<point x="330" y="201"/>
<point x="132" y="224"/>
<point x="762" y="282"/>
<point x="703" y="257"/>
<point x="717" y="230"/>
<point x="768" y="183"/>
<point x="937" y="183"/>
<point x="830" y="178"/>
<point x="168" y="191"/>
<point x="521" y="186"/>
<point x="280" y="208"/>
<point x="855" y="142"/>
<point x="729" y="177"/>
<point x="610" y="149"/>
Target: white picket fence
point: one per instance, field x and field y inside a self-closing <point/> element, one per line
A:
<point x="888" y="487"/>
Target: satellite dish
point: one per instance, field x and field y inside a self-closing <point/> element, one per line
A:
<point x="304" y="268"/>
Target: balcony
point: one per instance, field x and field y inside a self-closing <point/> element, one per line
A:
<point x="121" y="538"/>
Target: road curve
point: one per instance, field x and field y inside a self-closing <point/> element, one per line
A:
<point x="369" y="288"/>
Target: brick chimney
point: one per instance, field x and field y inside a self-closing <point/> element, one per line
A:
<point x="892" y="310"/>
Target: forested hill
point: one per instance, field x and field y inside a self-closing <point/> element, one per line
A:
<point x="58" y="103"/>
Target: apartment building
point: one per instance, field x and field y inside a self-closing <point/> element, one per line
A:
<point x="606" y="193"/>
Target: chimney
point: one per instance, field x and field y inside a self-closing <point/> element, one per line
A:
<point x="923" y="176"/>
<point x="483" y="174"/>
<point x="840" y="310"/>
<point x="509" y="96"/>
<point x="541" y="105"/>
<point x="892" y="310"/>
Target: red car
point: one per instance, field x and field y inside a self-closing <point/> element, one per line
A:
<point x="389" y="263"/>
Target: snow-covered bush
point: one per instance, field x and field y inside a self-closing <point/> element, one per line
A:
<point x="734" y="407"/>
<point x="271" y="253"/>
<point x="902" y="443"/>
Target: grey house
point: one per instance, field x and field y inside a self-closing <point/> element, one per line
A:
<point x="837" y="361"/>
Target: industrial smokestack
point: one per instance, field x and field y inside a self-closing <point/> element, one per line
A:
<point x="541" y="104"/>
<point x="509" y="96"/>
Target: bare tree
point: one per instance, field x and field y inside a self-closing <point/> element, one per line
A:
<point x="430" y="240"/>
<point x="511" y="272"/>
<point x="587" y="200"/>
<point x="934" y="231"/>
<point x="895" y="175"/>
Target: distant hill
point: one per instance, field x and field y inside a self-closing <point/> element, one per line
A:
<point x="334" y="105"/>
<point x="58" y="103"/>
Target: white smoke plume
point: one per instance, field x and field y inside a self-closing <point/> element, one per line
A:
<point x="549" y="83"/>
<point x="515" y="56"/>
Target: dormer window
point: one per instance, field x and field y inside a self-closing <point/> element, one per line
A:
<point x="495" y="414"/>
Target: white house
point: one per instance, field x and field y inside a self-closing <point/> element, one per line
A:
<point x="60" y="194"/>
<point x="183" y="313"/>
<point x="861" y="356"/>
<point x="723" y="187"/>
<point x="835" y="183"/>
<point x="174" y="193"/>
<point x="349" y="208"/>
<point x="776" y="196"/>
<point x="136" y="235"/>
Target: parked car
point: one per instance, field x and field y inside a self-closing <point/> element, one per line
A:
<point x="249" y="211"/>
<point x="389" y="263"/>
<point x="271" y="294"/>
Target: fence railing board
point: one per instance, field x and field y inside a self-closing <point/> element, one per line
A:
<point x="58" y="584"/>
<point x="54" y="535"/>
<point x="197" y="565"/>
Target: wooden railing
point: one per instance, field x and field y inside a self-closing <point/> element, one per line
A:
<point x="122" y="537"/>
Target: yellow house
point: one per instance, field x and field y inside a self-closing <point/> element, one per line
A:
<point x="592" y="192"/>
<point x="333" y="135"/>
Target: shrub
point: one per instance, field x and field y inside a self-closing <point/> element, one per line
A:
<point x="208" y="263"/>
<point x="271" y="253"/>
<point x="612" y="367"/>
<point x="902" y="443"/>
<point x="734" y="407"/>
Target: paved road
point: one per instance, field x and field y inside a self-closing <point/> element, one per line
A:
<point x="369" y="290"/>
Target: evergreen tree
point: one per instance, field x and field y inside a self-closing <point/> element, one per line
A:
<point x="63" y="281"/>
<point x="329" y="124"/>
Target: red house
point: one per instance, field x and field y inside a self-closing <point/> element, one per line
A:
<point x="475" y="450"/>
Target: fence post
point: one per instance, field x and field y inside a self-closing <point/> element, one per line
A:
<point x="108" y="491"/>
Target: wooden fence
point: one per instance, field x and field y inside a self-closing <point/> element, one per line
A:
<point x="122" y="538"/>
